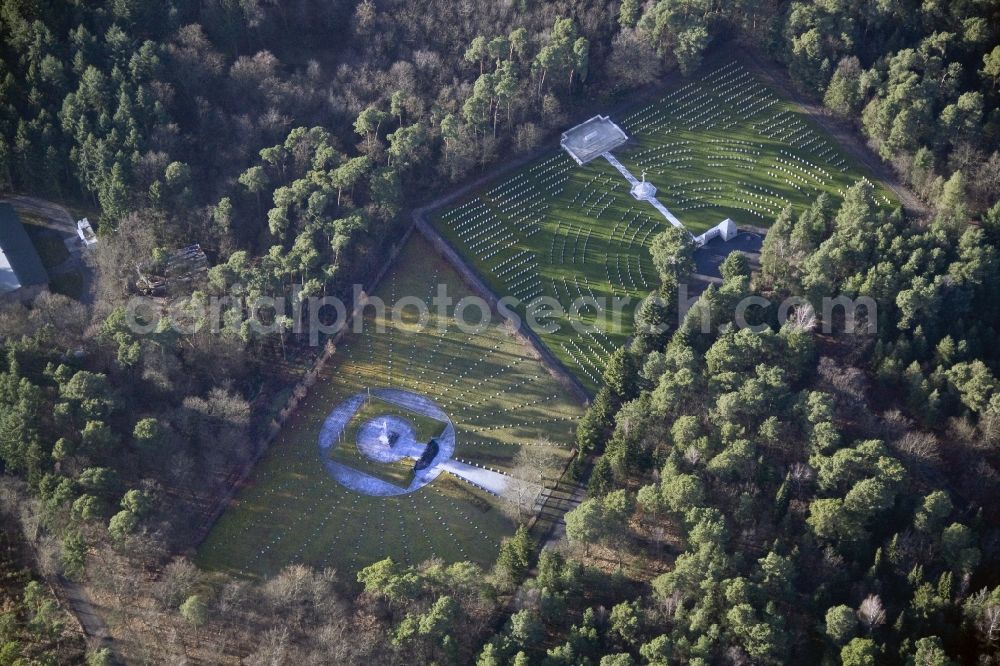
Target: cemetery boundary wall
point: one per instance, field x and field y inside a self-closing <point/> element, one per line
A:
<point x="523" y="333"/>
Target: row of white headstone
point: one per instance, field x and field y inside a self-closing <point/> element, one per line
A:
<point x="580" y="360"/>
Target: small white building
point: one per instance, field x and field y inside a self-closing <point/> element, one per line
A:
<point x="726" y="230"/>
<point x="86" y="232"/>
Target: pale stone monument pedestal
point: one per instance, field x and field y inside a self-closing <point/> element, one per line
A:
<point x="643" y="191"/>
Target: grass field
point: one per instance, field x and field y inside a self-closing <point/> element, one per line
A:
<point x="398" y="472"/>
<point x="497" y="395"/>
<point x="425" y="427"/>
<point x="718" y="145"/>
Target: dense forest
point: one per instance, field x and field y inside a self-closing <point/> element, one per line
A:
<point x="762" y="497"/>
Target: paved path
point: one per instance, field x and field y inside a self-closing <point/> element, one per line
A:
<point x="337" y="421"/>
<point x="487" y="479"/>
<point x="664" y="212"/>
<point x="651" y="199"/>
<point x="708" y="260"/>
<point x="374" y="443"/>
<point x="632" y="180"/>
<point x="563" y="499"/>
<point x="552" y="505"/>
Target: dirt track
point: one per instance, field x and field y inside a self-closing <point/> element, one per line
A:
<point x="51" y="214"/>
<point x="84" y="609"/>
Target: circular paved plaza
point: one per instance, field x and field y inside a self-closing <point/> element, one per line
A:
<point x="371" y="441"/>
<point x="386" y="439"/>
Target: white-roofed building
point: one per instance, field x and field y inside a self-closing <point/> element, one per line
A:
<point x="22" y="276"/>
<point x="592" y="138"/>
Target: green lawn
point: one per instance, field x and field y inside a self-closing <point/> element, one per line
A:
<point x="718" y="145"/>
<point x="399" y="472"/>
<point x="496" y="394"/>
<point x="424" y="427"/>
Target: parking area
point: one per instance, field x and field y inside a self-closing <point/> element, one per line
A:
<point x="52" y="230"/>
<point x="709" y="258"/>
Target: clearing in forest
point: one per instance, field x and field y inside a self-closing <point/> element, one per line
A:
<point x="481" y="396"/>
<point x="718" y="145"/>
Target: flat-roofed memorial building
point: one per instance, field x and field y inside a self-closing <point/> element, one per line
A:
<point x="597" y="137"/>
<point x="22" y="276"/>
<point x="593" y="138"/>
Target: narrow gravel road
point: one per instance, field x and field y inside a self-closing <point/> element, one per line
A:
<point x="85" y="610"/>
<point x="52" y="214"/>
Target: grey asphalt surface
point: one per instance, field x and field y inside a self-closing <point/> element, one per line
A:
<point x="708" y="259"/>
<point x="59" y="220"/>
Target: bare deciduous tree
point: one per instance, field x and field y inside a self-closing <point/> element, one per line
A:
<point x="919" y="446"/>
<point x="537" y="462"/>
<point x="871" y="612"/>
<point x="274" y="648"/>
<point x="521" y="497"/>
<point x="989" y="622"/>
<point x="802" y="318"/>
<point x="176" y="583"/>
<point x="114" y="259"/>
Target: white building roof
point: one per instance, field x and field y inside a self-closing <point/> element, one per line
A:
<point x="592" y="138"/>
<point x="8" y="278"/>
